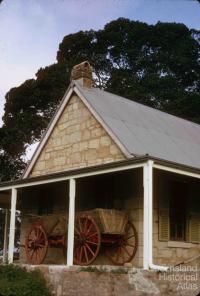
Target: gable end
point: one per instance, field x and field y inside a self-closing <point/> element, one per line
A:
<point x="77" y="140"/>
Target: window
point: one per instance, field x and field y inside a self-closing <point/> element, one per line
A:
<point x="177" y="212"/>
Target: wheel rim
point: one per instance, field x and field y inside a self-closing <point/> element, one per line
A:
<point x="36" y="245"/>
<point x="123" y="251"/>
<point x="65" y="247"/>
<point x="87" y="240"/>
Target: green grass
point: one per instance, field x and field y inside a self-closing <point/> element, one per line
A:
<point x="119" y="270"/>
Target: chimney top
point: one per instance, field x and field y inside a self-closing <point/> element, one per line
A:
<point x="83" y="73"/>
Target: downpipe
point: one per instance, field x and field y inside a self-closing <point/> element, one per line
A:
<point x="148" y="221"/>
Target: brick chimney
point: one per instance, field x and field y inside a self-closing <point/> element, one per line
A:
<point x="82" y="73"/>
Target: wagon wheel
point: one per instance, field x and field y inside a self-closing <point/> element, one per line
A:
<point x="36" y="245"/>
<point x="65" y="247"/>
<point x="87" y="240"/>
<point x="125" y="247"/>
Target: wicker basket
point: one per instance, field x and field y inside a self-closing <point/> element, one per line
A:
<point x="111" y="221"/>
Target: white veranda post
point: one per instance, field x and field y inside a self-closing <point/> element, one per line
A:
<point x="5" y="240"/>
<point x="148" y="214"/>
<point x="12" y="225"/>
<point x="71" y="220"/>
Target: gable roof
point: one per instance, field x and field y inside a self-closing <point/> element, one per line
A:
<point x="71" y="90"/>
<point x="137" y="129"/>
<point x="144" y="130"/>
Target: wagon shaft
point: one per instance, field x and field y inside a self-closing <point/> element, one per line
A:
<point x="56" y="241"/>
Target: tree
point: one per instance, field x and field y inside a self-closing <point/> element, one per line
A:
<point x="157" y="65"/>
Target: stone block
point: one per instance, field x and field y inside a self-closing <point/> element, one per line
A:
<point x="94" y="143"/>
<point x="114" y="150"/>
<point x="103" y="152"/>
<point x="83" y="145"/>
<point x="76" y="158"/>
<point x="91" y="154"/>
<point x="75" y="137"/>
<point x="40" y="165"/>
<point x="105" y="141"/>
<point x="59" y="160"/>
<point x="75" y="106"/>
<point x="85" y="135"/>
<point x="96" y="132"/>
<point x="75" y="147"/>
<point x="65" y="139"/>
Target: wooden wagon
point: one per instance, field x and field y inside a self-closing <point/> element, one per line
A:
<point x="110" y="230"/>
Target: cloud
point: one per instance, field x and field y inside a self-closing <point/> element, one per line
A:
<point x="31" y="30"/>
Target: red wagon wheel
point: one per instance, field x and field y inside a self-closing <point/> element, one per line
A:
<point x="87" y="240"/>
<point x="36" y="245"/>
<point x="124" y="249"/>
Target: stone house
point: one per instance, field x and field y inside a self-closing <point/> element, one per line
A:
<point x="103" y="151"/>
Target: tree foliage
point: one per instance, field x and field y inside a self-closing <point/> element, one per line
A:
<point x="16" y="281"/>
<point x="157" y="65"/>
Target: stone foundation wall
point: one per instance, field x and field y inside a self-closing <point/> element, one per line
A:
<point x="78" y="140"/>
<point x="116" y="282"/>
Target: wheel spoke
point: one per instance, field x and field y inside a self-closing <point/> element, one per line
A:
<point x="129" y="245"/>
<point x="125" y="249"/>
<point x="91" y="243"/>
<point x="120" y="254"/>
<point x="89" y="249"/>
<point x="89" y="236"/>
<point x="37" y="232"/>
<point x="76" y="230"/>
<point x="130" y="236"/>
<point x="85" y="226"/>
<point x="39" y="245"/>
<point x="88" y="230"/>
<point x="86" y="255"/>
<point x="93" y="234"/>
<point x="80" y="225"/>
<point x="76" y="250"/>
<point x="41" y="234"/>
<point x="81" y="253"/>
<point x="31" y="255"/>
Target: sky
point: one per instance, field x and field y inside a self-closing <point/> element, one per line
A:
<point x="31" y="30"/>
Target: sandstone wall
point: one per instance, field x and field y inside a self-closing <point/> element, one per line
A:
<point x="116" y="282"/>
<point x="78" y="140"/>
<point x="170" y="252"/>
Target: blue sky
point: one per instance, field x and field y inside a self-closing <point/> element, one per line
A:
<point x="31" y="30"/>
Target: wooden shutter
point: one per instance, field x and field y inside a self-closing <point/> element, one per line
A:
<point x="193" y="216"/>
<point x="163" y="204"/>
<point x="164" y="224"/>
<point x="194" y="228"/>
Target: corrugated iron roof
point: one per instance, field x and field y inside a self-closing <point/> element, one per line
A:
<point x="144" y="130"/>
